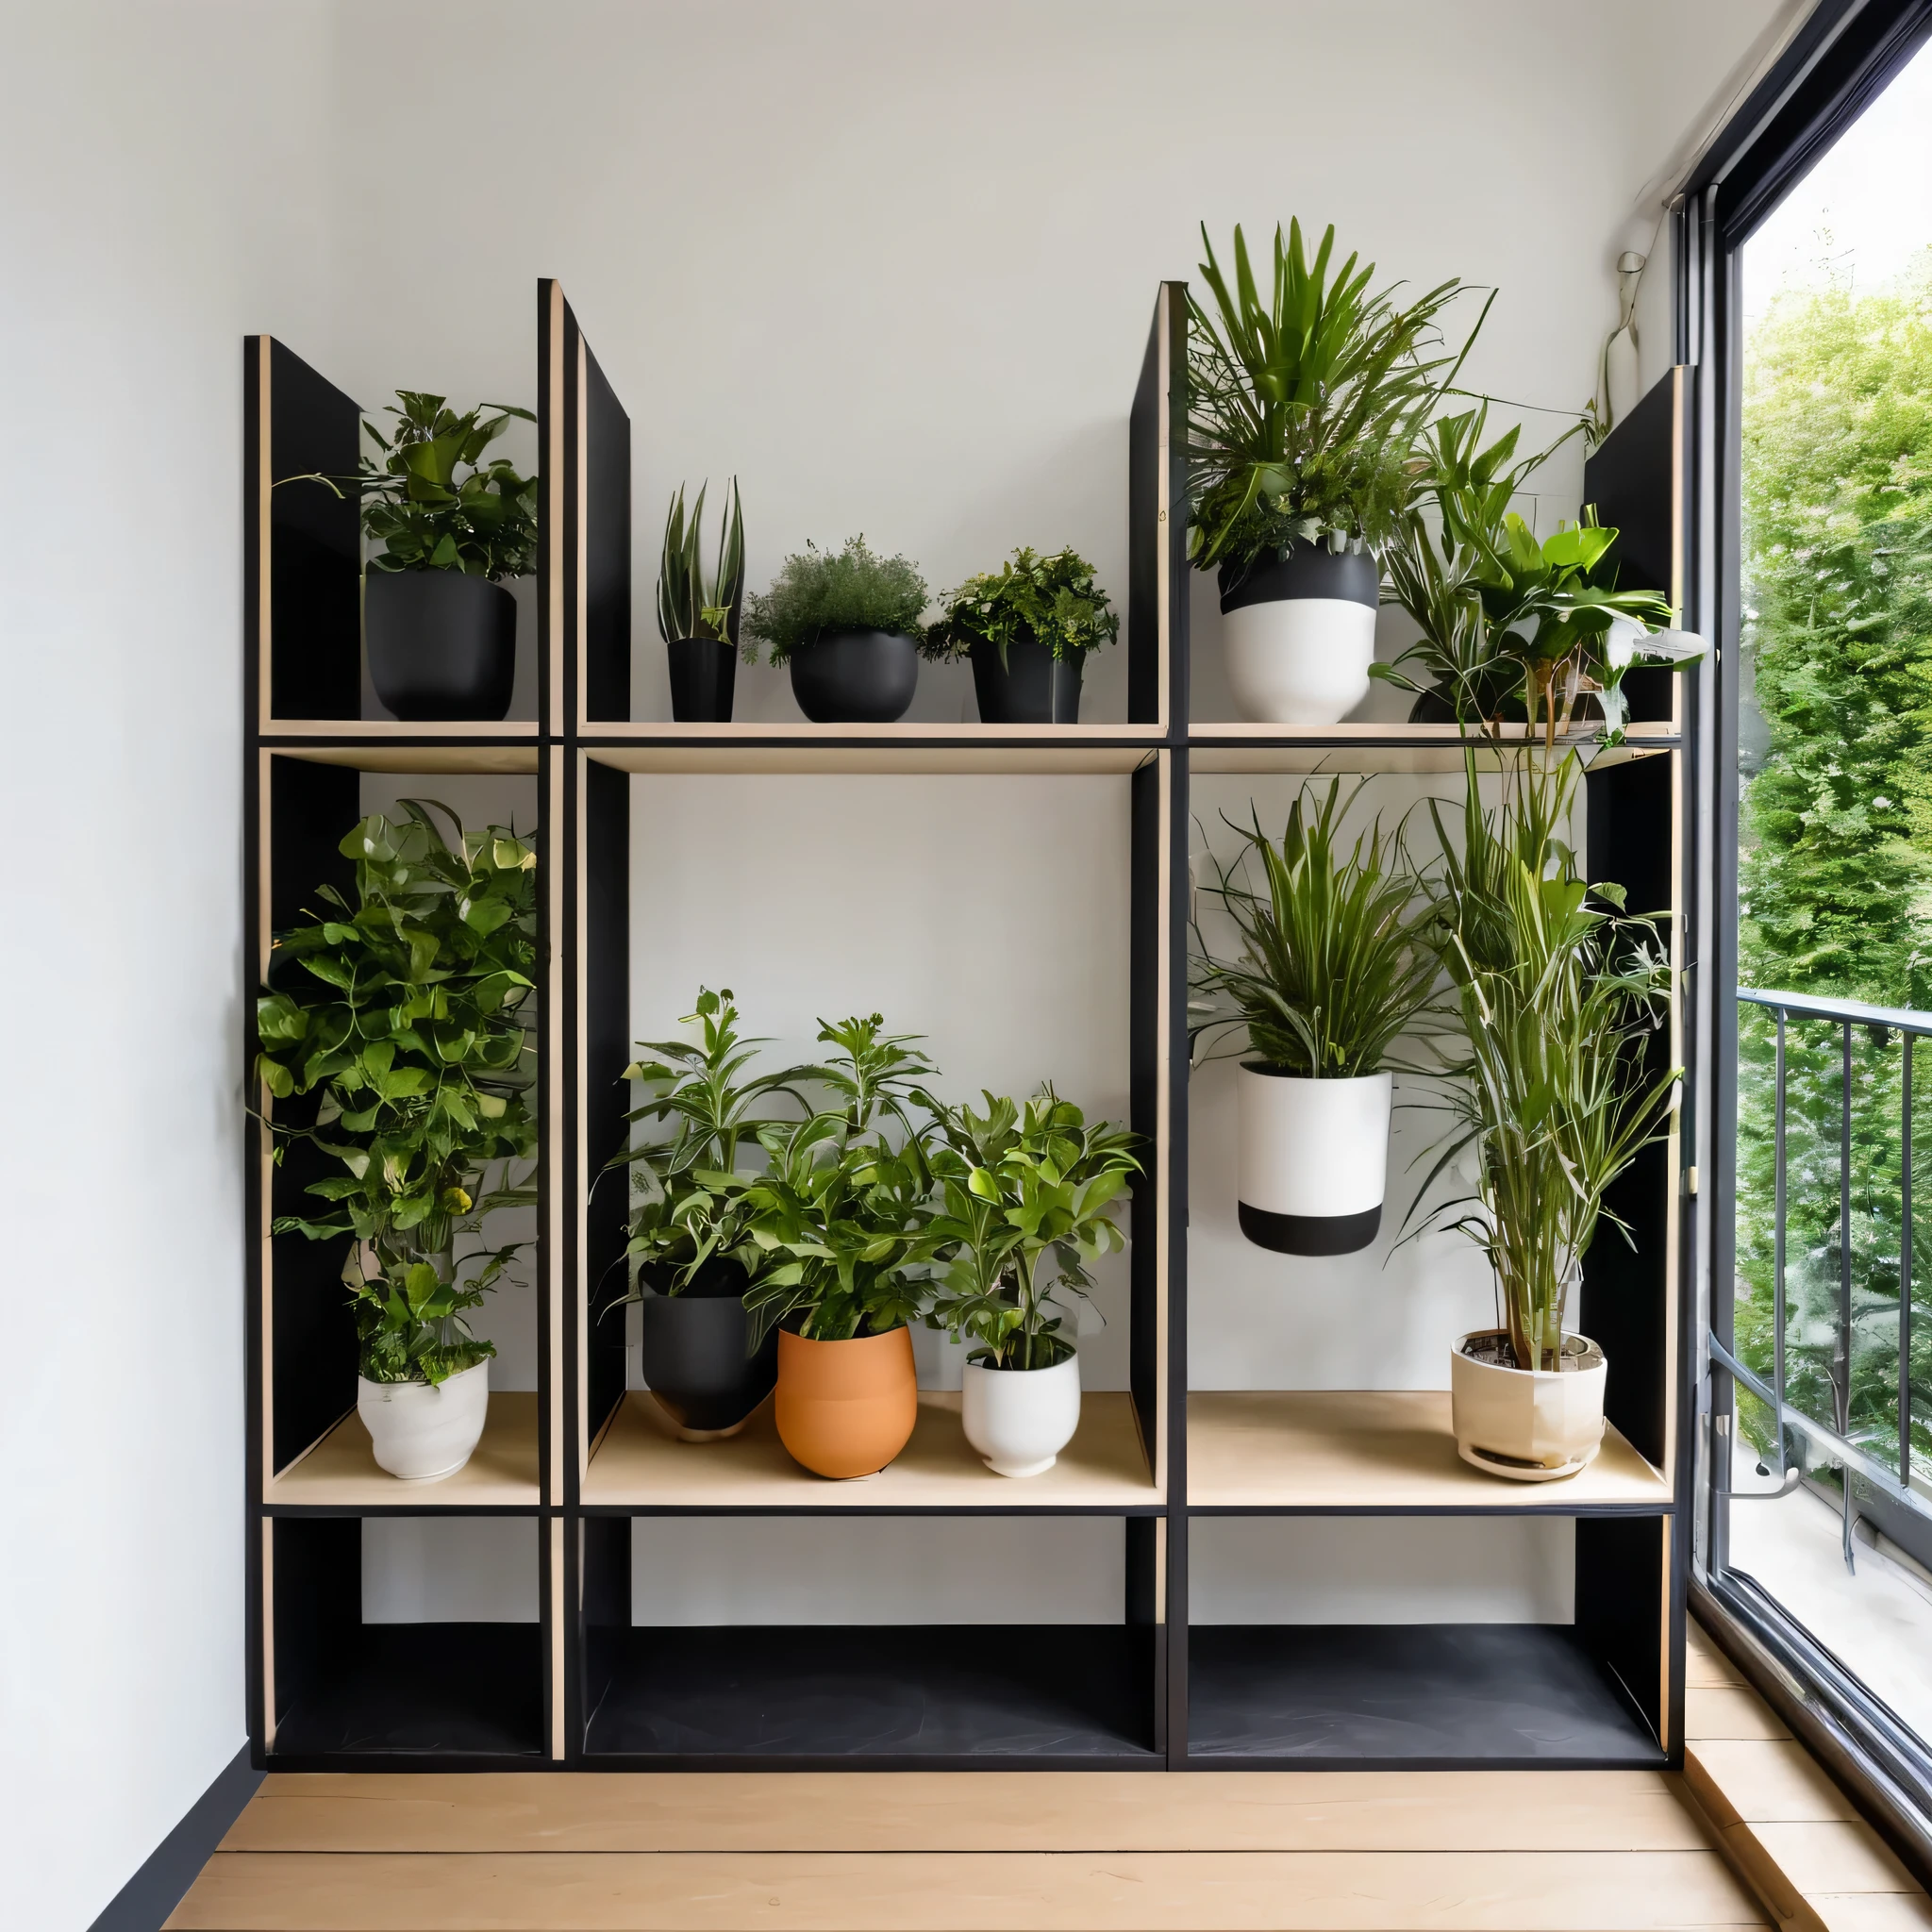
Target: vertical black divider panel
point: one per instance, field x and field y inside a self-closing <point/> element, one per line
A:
<point x="318" y="1590"/>
<point x="1143" y="1001"/>
<point x="314" y="559"/>
<point x="1157" y="518"/>
<point x="1175" y="937"/>
<point x="606" y="970"/>
<point x="1625" y="1303"/>
<point x="606" y="512"/>
<point x="605" y="1548"/>
<point x="1620" y="1606"/>
<point x="1635" y="478"/>
<point x="311" y="1372"/>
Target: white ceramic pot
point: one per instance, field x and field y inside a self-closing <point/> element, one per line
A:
<point x="1304" y="661"/>
<point x="1534" y="1426"/>
<point x="1313" y="1160"/>
<point x="1021" y="1418"/>
<point x="420" y="1433"/>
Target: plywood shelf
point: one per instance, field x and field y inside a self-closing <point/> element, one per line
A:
<point x="489" y="756"/>
<point x="340" y="1472"/>
<point x="854" y="748"/>
<point x="1426" y="749"/>
<point x="1357" y="1449"/>
<point x="639" y="1464"/>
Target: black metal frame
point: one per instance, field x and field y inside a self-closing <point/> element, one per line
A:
<point x="1630" y="1558"/>
<point x="1841" y="57"/>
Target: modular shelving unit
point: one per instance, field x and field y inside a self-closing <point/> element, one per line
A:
<point x="579" y="1460"/>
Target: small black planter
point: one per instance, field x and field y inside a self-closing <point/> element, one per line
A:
<point x="856" y="677"/>
<point x="1308" y="570"/>
<point x="704" y="675"/>
<point x="1033" y="687"/>
<point x="441" y="643"/>
<point x="691" y="1347"/>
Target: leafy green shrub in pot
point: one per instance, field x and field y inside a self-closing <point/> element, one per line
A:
<point x="841" y="1212"/>
<point x="441" y="629"/>
<point x="402" y="1012"/>
<point x="1023" y="1194"/>
<point x="1305" y="401"/>
<point x="691" y="1239"/>
<point x="1337" y="957"/>
<point x="847" y="624"/>
<point x="1028" y="628"/>
<point x="699" y="621"/>
<point x="1513" y="631"/>
<point x="1554" y="1089"/>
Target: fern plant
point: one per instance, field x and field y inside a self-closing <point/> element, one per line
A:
<point x="1048" y="600"/>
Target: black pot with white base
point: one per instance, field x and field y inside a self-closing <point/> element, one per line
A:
<point x="692" y="1350"/>
<point x="1313" y="1159"/>
<point x="856" y="677"/>
<point x="442" y="645"/>
<point x="1032" y="687"/>
<point x="703" y="680"/>
<point x="1299" y="633"/>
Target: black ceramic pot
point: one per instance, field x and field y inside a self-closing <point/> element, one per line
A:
<point x="693" y="1348"/>
<point x="856" y="677"/>
<point x="441" y="643"/>
<point x="1032" y="687"/>
<point x="704" y="674"/>
<point x="1308" y="570"/>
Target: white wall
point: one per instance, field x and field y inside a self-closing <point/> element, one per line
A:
<point x="892" y="260"/>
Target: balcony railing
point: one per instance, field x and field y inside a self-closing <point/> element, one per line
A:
<point x="1896" y="1502"/>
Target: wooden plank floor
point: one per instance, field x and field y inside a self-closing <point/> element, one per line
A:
<point x="988" y="1852"/>
<point x="1806" y="1851"/>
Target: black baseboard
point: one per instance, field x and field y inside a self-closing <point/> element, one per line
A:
<point x="144" y="1901"/>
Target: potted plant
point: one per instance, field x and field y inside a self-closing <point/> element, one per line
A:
<point x="1337" y="957"/>
<point x="1304" y="405"/>
<point x="441" y="629"/>
<point x="1554" y="1091"/>
<point x="700" y="623"/>
<point x="689" y="1232"/>
<point x="1028" y="628"/>
<point x="402" y="1012"/>
<point x="842" y="1212"/>
<point x="1514" y="631"/>
<point x="847" y="626"/>
<point x="1019" y="1185"/>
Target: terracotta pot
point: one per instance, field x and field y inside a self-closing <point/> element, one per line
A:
<point x="1534" y="1426"/>
<point x="846" y="1409"/>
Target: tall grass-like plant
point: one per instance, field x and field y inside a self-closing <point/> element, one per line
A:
<point x="1305" y="400"/>
<point x="1553" y="1085"/>
<point x="687" y="606"/>
<point x="1338" y="954"/>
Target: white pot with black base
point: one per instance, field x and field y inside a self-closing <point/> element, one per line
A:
<point x="1299" y="633"/>
<point x="420" y="1433"/>
<point x="1532" y="1425"/>
<point x="1021" y="1418"/>
<point x="1313" y="1160"/>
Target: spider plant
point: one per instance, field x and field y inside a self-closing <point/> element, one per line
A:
<point x="1017" y="1184"/>
<point x="1336" y="946"/>
<point x="1303" y="403"/>
<point x="685" y="607"/>
<point x="1554" y="1085"/>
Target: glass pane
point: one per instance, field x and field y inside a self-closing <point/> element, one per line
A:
<point x="1835" y="896"/>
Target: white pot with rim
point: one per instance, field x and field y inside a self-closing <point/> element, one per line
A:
<point x="421" y="1432"/>
<point x="1313" y="1163"/>
<point x="1021" y="1418"/>
<point x="1533" y="1425"/>
<point x="1299" y="633"/>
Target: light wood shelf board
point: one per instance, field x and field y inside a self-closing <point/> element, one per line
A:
<point x="1345" y="1449"/>
<point x="1729" y="1712"/>
<point x="1313" y="757"/>
<point x="340" y="1472"/>
<point x="483" y="760"/>
<point x="376" y="730"/>
<point x="985" y="1811"/>
<point x="753" y="756"/>
<point x="640" y="1463"/>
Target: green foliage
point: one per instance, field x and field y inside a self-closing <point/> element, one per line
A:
<point x="1016" y="1186"/>
<point x="685" y="607"/>
<point x="1338" y="952"/>
<point x="1835" y="867"/>
<point x="1052" y="600"/>
<point x="1304" y="405"/>
<point x="1552" y="1085"/>
<point x="403" y="1013"/>
<point x="434" y="503"/>
<point x="1514" y="630"/>
<point x="841" y="1210"/>
<point x="817" y="595"/>
<point x="690" y="1207"/>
